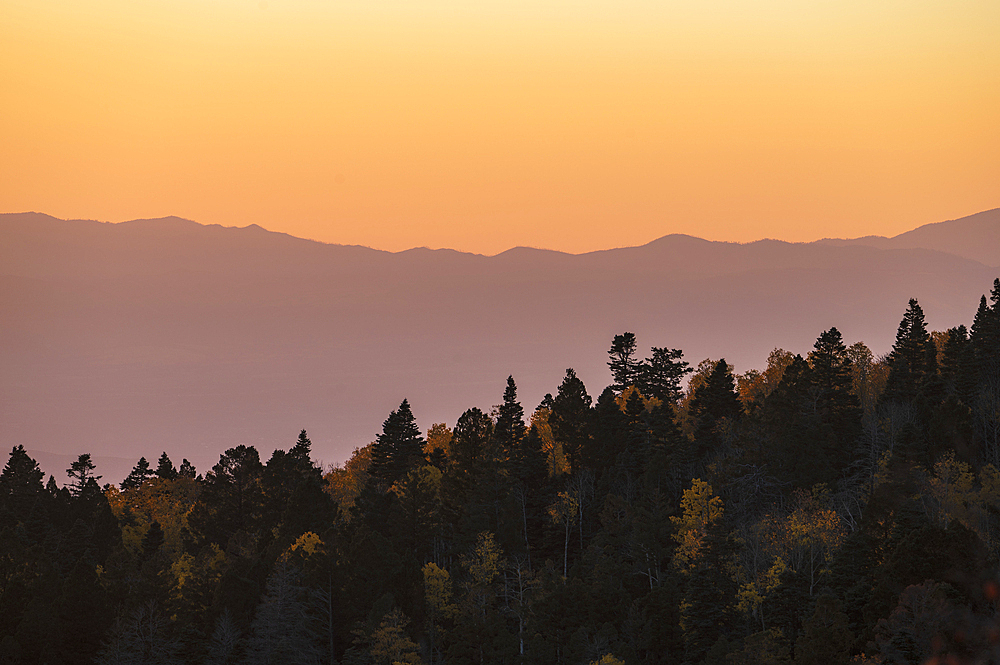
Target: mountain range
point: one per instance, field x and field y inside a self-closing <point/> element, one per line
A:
<point x="167" y="335"/>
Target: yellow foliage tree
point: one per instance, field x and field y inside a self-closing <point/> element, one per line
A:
<point x="564" y="511"/>
<point x="557" y="462"/>
<point x="167" y="502"/>
<point x="953" y="492"/>
<point x="700" y="509"/>
<point x="345" y="483"/>
<point x="438" y="436"/>
<point x="483" y="565"/>
<point x="608" y="659"/>
<point x="437" y="596"/>
<point x="390" y="645"/>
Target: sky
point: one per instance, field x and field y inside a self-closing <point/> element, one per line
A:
<point x="485" y="125"/>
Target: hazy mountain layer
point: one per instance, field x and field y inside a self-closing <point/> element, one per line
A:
<point x="165" y="334"/>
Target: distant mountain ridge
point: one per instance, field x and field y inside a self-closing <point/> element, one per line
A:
<point x="128" y="339"/>
<point x="975" y="237"/>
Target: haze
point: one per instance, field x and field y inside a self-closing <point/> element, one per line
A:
<point x="483" y="126"/>
<point x="121" y="339"/>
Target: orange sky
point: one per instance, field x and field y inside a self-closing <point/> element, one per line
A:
<point x="483" y="125"/>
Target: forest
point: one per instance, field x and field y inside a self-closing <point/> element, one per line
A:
<point x="831" y="508"/>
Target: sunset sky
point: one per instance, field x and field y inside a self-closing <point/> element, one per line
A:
<point x="484" y="125"/>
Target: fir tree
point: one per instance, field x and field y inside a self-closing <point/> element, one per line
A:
<point x="398" y="447"/>
<point x="714" y="404"/>
<point x="187" y="470"/>
<point x="510" y="427"/>
<point x="20" y="481"/>
<point x="571" y="417"/>
<point x="832" y="392"/>
<point x="140" y="474"/>
<point x="165" y="468"/>
<point x="913" y="359"/>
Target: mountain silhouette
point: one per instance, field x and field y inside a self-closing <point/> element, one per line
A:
<point x="164" y="334"/>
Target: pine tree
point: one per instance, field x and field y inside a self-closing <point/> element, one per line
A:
<point x="797" y="445"/>
<point x="20" y="481"/>
<point x="714" y="404"/>
<point x="224" y="647"/>
<point x="624" y="367"/>
<point x="510" y="427"/>
<point x="140" y="474"/>
<point x="835" y="402"/>
<point x="956" y="348"/>
<point x="609" y="433"/>
<point x="165" y="468"/>
<point x="231" y="499"/>
<point x="913" y="359"/>
<point x="398" y="447"/>
<point x="470" y="442"/>
<point x="571" y="418"/>
<point x="81" y="471"/>
<point x="661" y="374"/>
<point x="301" y="452"/>
<point x="187" y="470"/>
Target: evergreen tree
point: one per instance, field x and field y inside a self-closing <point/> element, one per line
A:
<point x="398" y="447"/>
<point x="913" y="359"/>
<point x="470" y="442"/>
<point x="81" y="472"/>
<point x="953" y="359"/>
<point x="187" y="470"/>
<point x="224" y="646"/>
<point x="509" y="428"/>
<point x="608" y="441"/>
<point x="623" y="364"/>
<point x="20" y="481"/>
<point x="140" y="474"/>
<point x="301" y="452"/>
<point x="798" y="447"/>
<point x="571" y="418"/>
<point x="714" y="405"/>
<point x="661" y="374"/>
<point x="165" y="468"/>
<point x="832" y="393"/>
<point x="231" y="499"/>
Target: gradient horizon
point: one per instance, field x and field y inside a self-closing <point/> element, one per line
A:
<point x="570" y="126"/>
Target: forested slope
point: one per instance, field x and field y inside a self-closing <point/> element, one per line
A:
<point x="828" y="508"/>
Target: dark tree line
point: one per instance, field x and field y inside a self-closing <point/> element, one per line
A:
<point x="830" y="508"/>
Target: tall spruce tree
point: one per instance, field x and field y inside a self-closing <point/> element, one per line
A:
<point x="836" y="404"/>
<point x="913" y="359"/>
<point x="714" y="405"/>
<point x="140" y="474"/>
<point x="510" y="427"/>
<point x="20" y="481"/>
<point x="165" y="468"/>
<point x="571" y="418"/>
<point x="398" y="447"/>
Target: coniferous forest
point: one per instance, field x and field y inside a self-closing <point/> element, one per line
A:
<point x="832" y="507"/>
